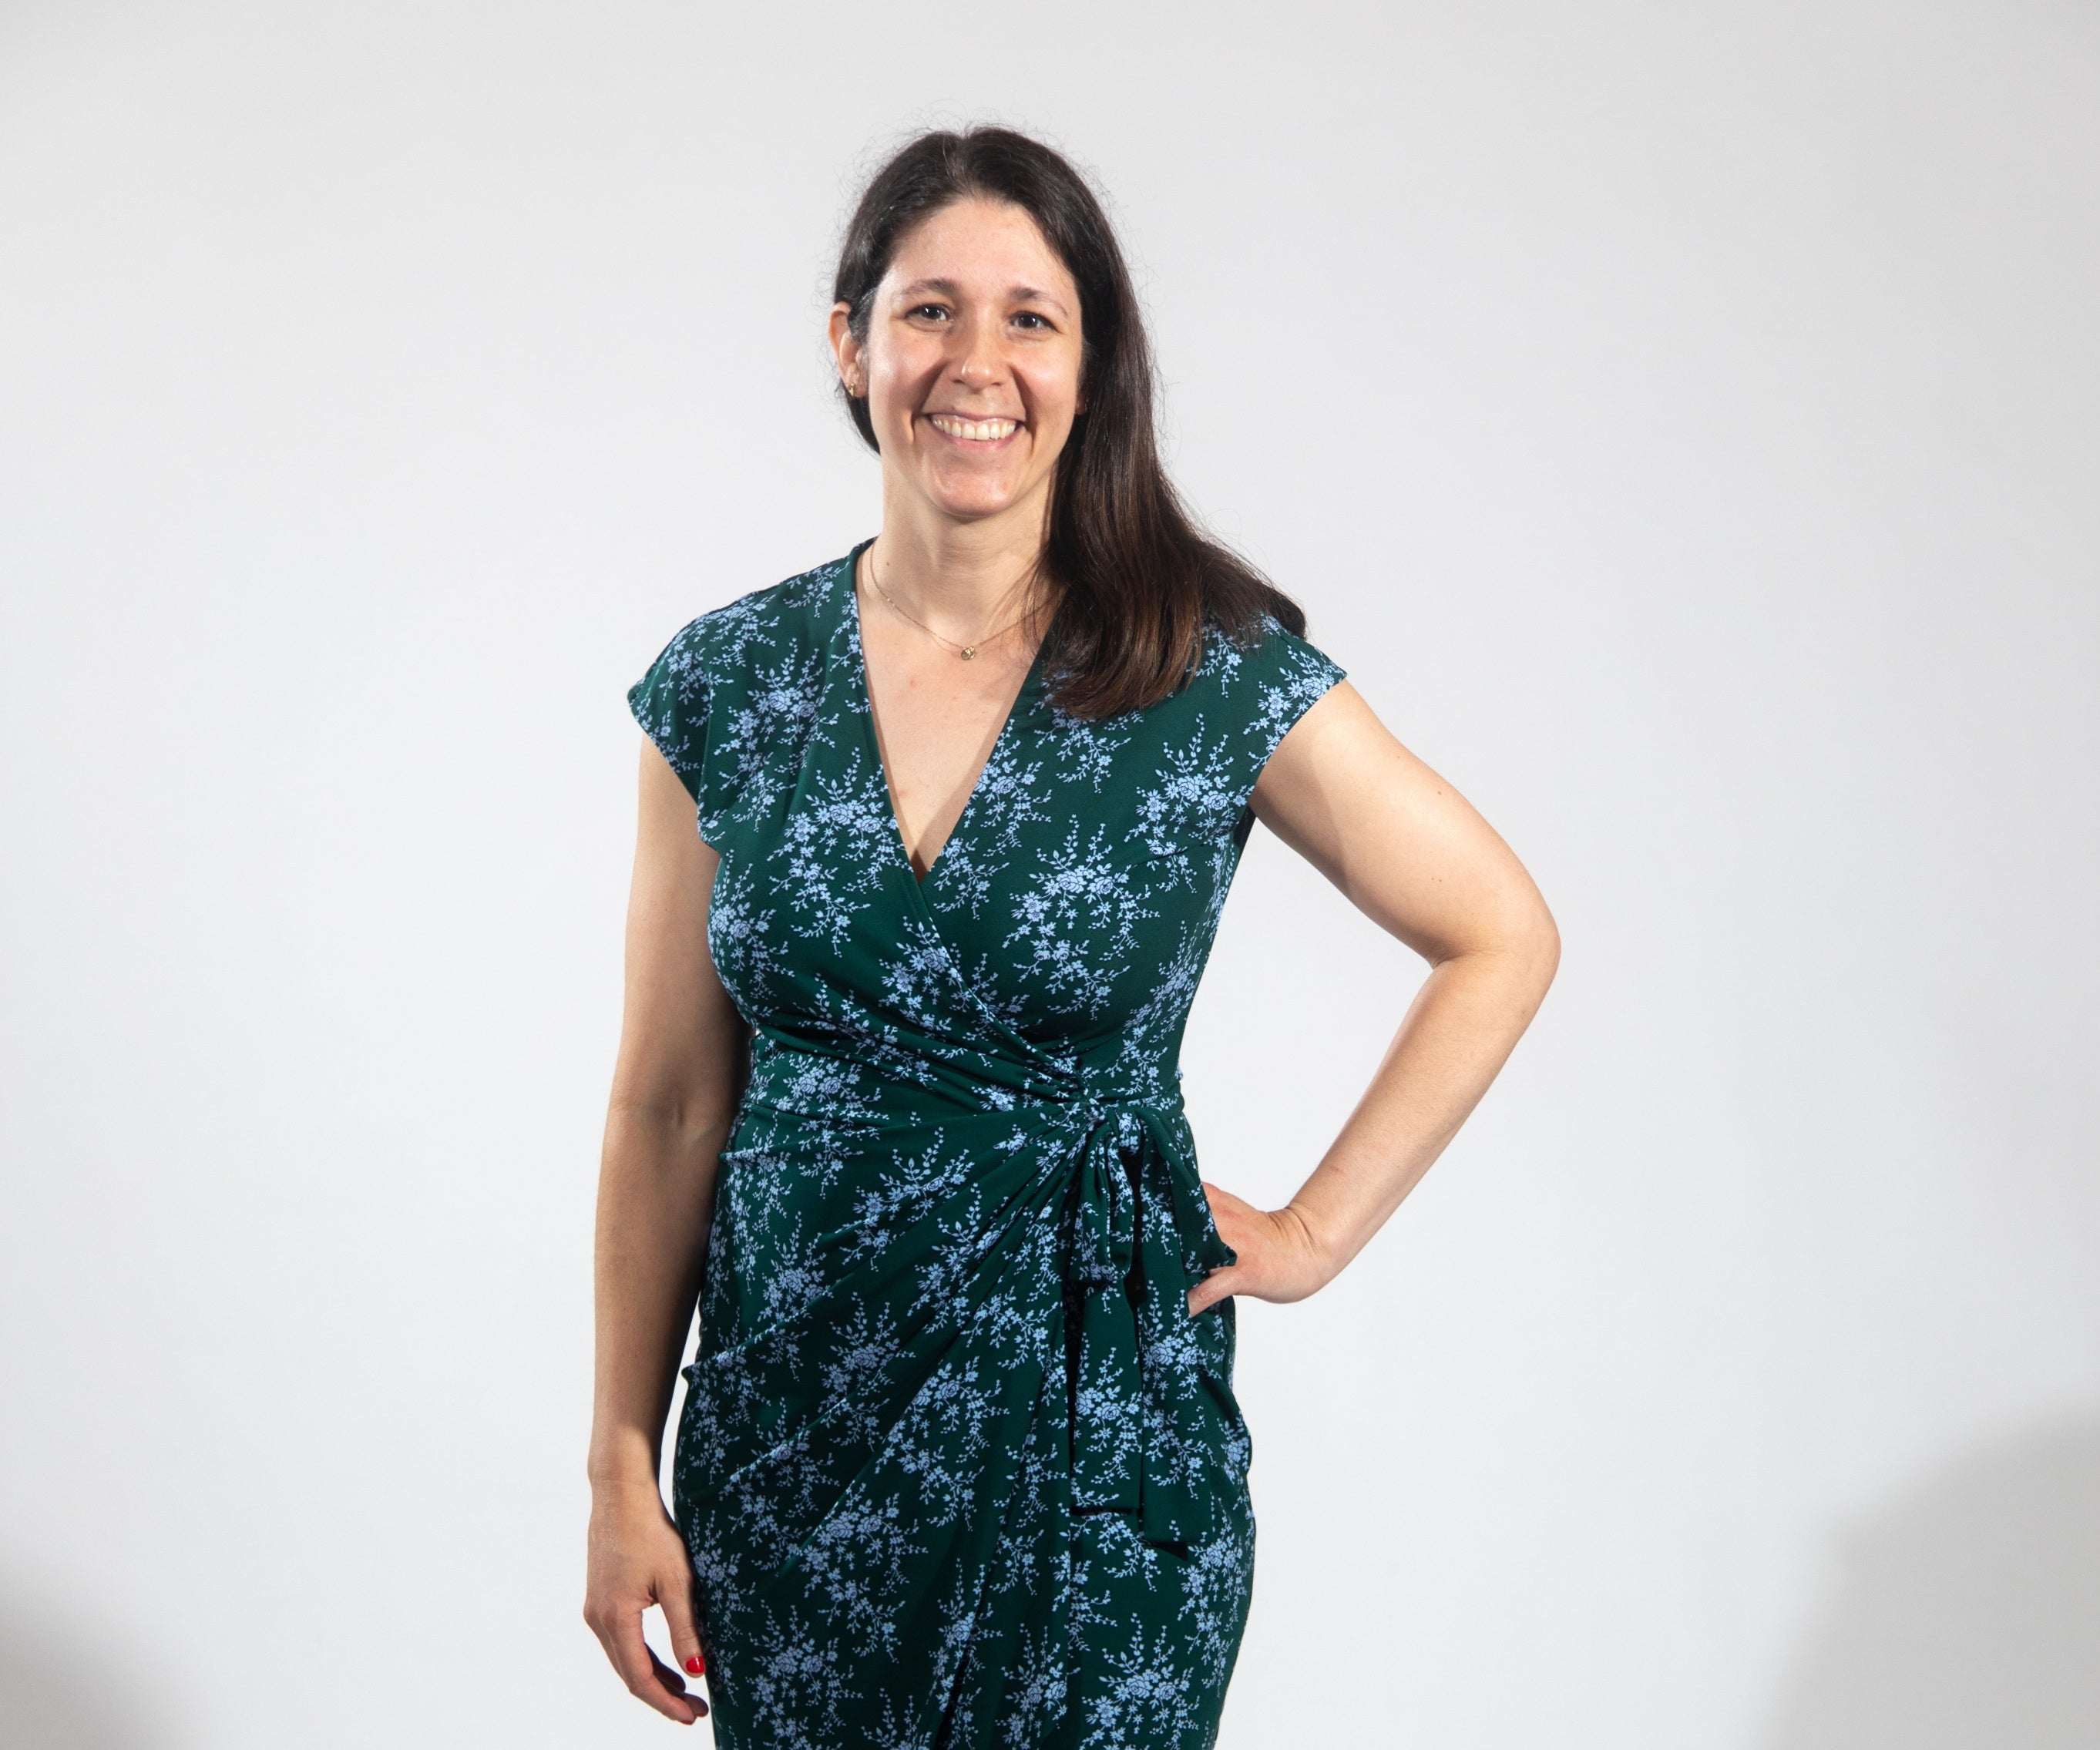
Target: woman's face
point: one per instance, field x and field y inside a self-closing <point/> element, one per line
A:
<point x="971" y="367"/>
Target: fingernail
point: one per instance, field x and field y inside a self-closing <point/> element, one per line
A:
<point x="697" y="1665"/>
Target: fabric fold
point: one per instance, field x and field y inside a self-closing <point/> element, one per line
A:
<point x="1052" y="1277"/>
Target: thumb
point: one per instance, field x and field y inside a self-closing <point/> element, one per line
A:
<point x="1219" y="1285"/>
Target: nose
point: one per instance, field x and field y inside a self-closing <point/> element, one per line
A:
<point x="977" y="362"/>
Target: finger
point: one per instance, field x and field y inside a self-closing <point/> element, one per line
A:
<point x="676" y="1596"/>
<point x="1219" y="1285"/>
<point x="644" y="1674"/>
<point x="673" y="1685"/>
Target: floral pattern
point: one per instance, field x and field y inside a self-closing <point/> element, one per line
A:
<point x="957" y="1469"/>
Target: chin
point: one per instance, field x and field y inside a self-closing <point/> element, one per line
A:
<point x="973" y="504"/>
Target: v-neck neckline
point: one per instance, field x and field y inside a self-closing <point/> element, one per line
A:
<point x="850" y="575"/>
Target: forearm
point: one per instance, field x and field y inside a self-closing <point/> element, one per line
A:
<point x="655" y="1200"/>
<point x="1457" y="1034"/>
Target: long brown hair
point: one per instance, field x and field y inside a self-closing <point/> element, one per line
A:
<point x="1141" y="585"/>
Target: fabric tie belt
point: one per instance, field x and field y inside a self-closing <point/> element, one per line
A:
<point x="896" y="1430"/>
<point x="1102" y="1229"/>
<point x="1136" y="1235"/>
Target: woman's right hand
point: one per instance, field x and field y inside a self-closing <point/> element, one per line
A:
<point x="637" y="1559"/>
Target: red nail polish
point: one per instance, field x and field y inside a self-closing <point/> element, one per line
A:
<point x="697" y="1665"/>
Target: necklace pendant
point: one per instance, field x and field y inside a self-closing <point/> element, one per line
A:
<point x="969" y="652"/>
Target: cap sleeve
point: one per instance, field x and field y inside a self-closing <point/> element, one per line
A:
<point x="670" y="703"/>
<point x="1273" y="684"/>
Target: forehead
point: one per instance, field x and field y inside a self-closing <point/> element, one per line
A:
<point x="981" y="245"/>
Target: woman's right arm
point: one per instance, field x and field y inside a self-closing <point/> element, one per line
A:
<point x="674" y="1093"/>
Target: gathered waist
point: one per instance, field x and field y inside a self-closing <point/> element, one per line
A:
<point x="881" y="1101"/>
<point x="1074" y="1193"/>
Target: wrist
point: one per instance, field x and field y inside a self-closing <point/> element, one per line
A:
<point x="628" y="1503"/>
<point x="625" y="1464"/>
<point x="1321" y="1248"/>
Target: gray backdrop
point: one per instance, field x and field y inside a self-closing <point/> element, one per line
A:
<point x="1678" y="419"/>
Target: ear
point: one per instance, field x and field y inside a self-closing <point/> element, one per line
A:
<point x="846" y="350"/>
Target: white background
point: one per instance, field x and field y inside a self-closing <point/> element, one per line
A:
<point x="1679" y="420"/>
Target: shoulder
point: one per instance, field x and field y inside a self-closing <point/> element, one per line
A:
<point x="729" y="677"/>
<point x="725" y="642"/>
<point x="1267" y="676"/>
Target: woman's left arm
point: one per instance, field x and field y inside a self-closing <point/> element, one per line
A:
<point x="1410" y="853"/>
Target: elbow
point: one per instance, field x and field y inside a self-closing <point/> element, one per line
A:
<point x="684" y="1121"/>
<point x="1538" y="935"/>
<point x="1521" y="944"/>
<point x="1540" y="947"/>
<point x="1533" y="939"/>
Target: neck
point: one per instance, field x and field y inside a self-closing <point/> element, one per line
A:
<point x="963" y="579"/>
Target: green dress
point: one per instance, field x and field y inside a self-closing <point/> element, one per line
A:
<point x="956" y="1467"/>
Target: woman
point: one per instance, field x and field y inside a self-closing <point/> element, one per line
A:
<point x="959" y="1462"/>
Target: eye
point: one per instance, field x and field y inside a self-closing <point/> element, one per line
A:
<point x="1031" y="320"/>
<point x="936" y="312"/>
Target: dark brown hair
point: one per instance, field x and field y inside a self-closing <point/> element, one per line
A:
<point x="1141" y="585"/>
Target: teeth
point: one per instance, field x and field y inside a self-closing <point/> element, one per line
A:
<point x="987" y="430"/>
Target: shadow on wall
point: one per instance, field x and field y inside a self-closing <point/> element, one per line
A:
<point x="1968" y="1614"/>
<point x="59" y="1690"/>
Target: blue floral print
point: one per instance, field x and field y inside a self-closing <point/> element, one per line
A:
<point x="957" y="1469"/>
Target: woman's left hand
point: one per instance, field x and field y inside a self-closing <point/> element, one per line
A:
<point x="1279" y="1258"/>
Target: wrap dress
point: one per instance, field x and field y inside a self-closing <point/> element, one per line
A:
<point x="956" y="1467"/>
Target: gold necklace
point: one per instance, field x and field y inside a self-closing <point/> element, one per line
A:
<point x="967" y="652"/>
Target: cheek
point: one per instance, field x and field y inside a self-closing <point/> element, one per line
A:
<point x="1055" y="394"/>
<point x="888" y="392"/>
<point x="902" y="367"/>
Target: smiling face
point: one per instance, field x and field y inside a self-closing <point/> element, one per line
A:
<point x="970" y="364"/>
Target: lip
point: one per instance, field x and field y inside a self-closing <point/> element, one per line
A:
<point x="947" y="426"/>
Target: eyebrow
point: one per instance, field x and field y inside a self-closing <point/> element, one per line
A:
<point x="1026" y="294"/>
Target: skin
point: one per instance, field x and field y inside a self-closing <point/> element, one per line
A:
<point x="976" y="318"/>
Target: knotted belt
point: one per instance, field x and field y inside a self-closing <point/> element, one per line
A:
<point x="1102" y="1171"/>
<point x="888" y="1442"/>
<point x="1143" y="1422"/>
